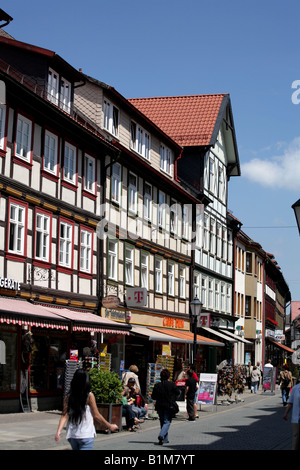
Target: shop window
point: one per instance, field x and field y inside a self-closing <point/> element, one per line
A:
<point x="8" y="360"/>
<point x="47" y="362"/>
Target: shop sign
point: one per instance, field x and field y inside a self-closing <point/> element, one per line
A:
<point x="136" y="297"/>
<point x="207" y="388"/>
<point x="74" y="354"/>
<point x="111" y="301"/>
<point x="173" y="322"/>
<point x="204" y="320"/>
<point x="9" y="283"/>
<point x="166" y="350"/>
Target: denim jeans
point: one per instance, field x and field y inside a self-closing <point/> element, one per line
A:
<point x="81" y="444"/>
<point x="165" y="419"/>
<point x="285" y="393"/>
<point x="254" y="386"/>
<point x="140" y="412"/>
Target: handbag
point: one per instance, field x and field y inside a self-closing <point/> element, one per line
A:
<point x="173" y="408"/>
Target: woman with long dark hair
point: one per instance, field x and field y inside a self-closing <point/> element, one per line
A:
<point x="79" y="412"/>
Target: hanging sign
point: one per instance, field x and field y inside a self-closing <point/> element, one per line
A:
<point x="136" y="297"/>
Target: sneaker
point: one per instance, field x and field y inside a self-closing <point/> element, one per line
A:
<point x="160" y="440"/>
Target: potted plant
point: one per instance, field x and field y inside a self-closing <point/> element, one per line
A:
<point x="107" y="388"/>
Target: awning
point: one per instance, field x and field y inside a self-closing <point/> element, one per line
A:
<point x="22" y="312"/>
<point x="239" y="338"/>
<point x="187" y="337"/>
<point x="154" y="335"/>
<point x="86" y="321"/>
<point x="281" y="346"/>
<point x="217" y="333"/>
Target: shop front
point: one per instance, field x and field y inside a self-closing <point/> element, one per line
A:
<point x="36" y="341"/>
<point x="157" y="338"/>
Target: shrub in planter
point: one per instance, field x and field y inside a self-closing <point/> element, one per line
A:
<point x="107" y="388"/>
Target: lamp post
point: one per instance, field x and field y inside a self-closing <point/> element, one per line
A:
<point x="296" y="208"/>
<point x="196" y="308"/>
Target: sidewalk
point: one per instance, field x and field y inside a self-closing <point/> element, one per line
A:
<point x="36" y="430"/>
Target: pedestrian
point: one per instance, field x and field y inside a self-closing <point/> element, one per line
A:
<point x="258" y="365"/>
<point x="255" y="374"/>
<point x="132" y="373"/>
<point x="286" y="383"/>
<point x="131" y="391"/>
<point x="127" y="411"/>
<point x="79" y="412"/>
<point x="294" y="405"/>
<point x="249" y="369"/>
<point x="165" y="394"/>
<point x="190" y="392"/>
<point x="196" y="392"/>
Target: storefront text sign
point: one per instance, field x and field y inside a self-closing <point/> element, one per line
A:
<point x="9" y="283"/>
<point x="173" y="322"/>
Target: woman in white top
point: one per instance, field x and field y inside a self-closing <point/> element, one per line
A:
<point x="79" y="412"/>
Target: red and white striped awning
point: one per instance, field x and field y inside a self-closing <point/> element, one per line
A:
<point x="86" y="321"/>
<point x="21" y="312"/>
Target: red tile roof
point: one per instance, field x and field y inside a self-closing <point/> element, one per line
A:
<point x="189" y="120"/>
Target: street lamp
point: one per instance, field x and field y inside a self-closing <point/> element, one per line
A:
<point x="296" y="208"/>
<point x="196" y="308"/>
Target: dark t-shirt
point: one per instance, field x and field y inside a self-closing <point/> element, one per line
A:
<point x="191" y="383"/>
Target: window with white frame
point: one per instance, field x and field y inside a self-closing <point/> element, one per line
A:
<point x="204" y="290"/>
<point x="161" y="209"/>
<point x="147" y="201"/>
<point x="205" y="233"/>
<point x="224" y="243"/>
<point x="144" y="270"/>
<point x="113" y="260"/>
<point x="2" y="125"/>
<point x="165" y="159"/>
<point x="217" y="295"/>
<point x="182" y="281"/>
<point x="110" y="118"/>
<point x="132" y="193"/>
<point x="211" y="174"/>
<point x="171" y="279"/>
<point x="51" y="152"/>
<point x="221" y="183"/>
<point x="89" y="173"/>
<point x="129" y="265"/>
<point x="86" y="250"/>
<point x="173" y="217"/>
<point x="196" y="286"/>
<point x="158" y="275"/>
<point x="186" y="214"/>
<point x="23" y="138"/>
<point x="212" y="244"/>
<point x="42" y="236"/>
<point x="116" y="183"/>
<point x="228" y="298"/>
<point x="140" y="140"/>
<point x="223" y="298"/>
<point x="70" y="163"/>
<point x="53" y="86"/>
<point x="210" y="294"/>
<point x="65" y="95"/>
<point x="16" y="232"/>
<point x="65" y="244"/>
<point x="219" y="240"/>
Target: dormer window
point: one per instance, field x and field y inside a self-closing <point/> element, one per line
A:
<point x="59" y="91"/>
<point x="165" y="159"/>
<point x="110" y="118"/>
<point x="140" y="140"/>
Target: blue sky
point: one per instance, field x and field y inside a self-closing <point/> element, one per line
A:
<point x="171" y="47"/>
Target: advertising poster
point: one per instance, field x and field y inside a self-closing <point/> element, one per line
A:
<point x="207" y="389"/>
<point x="269" y="377"/>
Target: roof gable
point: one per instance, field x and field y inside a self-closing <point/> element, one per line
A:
<point x="193" y="120"/>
